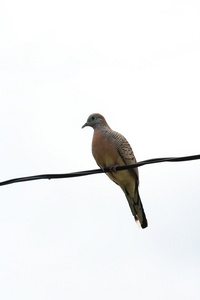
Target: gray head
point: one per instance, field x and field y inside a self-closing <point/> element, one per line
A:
<point x="95" y="121"/>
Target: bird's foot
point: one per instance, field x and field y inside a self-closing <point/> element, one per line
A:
<point x="113" y="168"/>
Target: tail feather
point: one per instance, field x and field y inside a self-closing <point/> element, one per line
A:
<point x="136" y="207"/>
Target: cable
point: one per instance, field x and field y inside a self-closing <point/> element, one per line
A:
<point x="98" y="171"/>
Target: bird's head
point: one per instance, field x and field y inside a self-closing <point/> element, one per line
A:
<point x="95" y="121"/>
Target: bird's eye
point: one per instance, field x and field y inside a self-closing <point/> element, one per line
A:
<point x="93" y="118"/>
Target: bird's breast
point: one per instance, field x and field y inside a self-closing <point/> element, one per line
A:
<point x="103" y="150"/>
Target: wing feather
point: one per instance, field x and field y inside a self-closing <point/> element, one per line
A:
<point x="125" y="151"/>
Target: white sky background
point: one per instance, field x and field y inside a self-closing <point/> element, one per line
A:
<point x="137" y="63"/>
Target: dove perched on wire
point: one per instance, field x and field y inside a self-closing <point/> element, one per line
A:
<point x="110" y="149"/>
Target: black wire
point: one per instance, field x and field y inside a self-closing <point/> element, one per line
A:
<point x="98" y="171"/>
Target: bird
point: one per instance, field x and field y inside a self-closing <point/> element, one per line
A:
<point x="111" y="149"/>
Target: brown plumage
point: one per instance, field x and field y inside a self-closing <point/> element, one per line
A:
<point x="111" y="149"/>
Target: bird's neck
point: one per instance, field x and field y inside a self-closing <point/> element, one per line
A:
<point x="101" y="127"/>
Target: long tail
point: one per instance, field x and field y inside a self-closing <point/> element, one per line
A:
<point x="137" y="208"/>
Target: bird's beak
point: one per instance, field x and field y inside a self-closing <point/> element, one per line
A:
<point x="86" y="124"/>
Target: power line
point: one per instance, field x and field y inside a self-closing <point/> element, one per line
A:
<point x="98" y="171"/>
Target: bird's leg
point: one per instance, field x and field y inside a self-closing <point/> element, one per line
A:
<point x="113" y="168"/>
